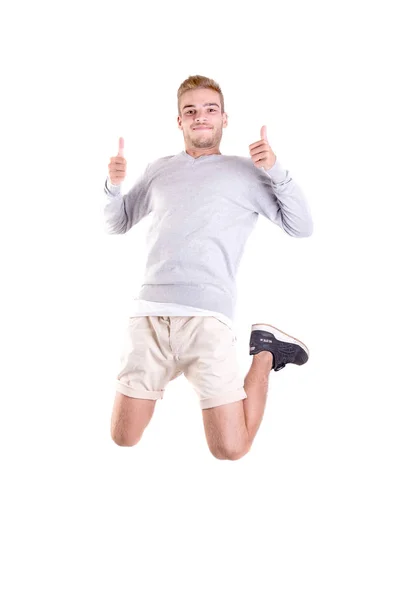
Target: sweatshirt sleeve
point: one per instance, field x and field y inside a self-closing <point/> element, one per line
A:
<point x="122" y="211"/>
<point x="282" y="201"/>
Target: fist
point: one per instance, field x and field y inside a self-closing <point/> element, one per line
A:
<point x="117" y="165"/>
<point x="261" y="152"/>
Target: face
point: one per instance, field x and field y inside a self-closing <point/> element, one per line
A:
<point x="202" y="120"/>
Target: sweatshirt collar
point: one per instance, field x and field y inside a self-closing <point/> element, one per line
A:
<point x="189" y="157"/>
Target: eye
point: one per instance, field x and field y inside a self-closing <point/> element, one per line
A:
<point x="190" y="111"/>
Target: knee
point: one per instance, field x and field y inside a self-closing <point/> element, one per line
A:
<point x="121" y="438"/>
<point x="232" y="452"/>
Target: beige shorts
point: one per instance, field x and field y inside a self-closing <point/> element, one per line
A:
<point x="159" y="349"/>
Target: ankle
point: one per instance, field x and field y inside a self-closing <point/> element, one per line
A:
<point x="263" y="357"/>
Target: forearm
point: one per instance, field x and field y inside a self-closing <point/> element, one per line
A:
<point x="293" y="212"/>
<point x="115" y="218"/>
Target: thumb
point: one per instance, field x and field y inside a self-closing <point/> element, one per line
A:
<point x="121" y="147"/>
<point x="264" y="133"/>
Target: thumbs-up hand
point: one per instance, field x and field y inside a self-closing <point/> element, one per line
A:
<point x="117" y="165"/>
<point x="261" y="152"/>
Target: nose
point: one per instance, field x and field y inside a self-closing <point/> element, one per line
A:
<point x="201" y="115"/>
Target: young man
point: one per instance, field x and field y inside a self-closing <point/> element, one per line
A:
<point x="205" y="205"/>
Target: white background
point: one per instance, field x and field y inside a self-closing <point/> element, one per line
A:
<point x="312" y="511"/>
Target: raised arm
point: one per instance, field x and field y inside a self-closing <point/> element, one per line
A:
<point x="276" y="195"/>
<point x="121" y="212"/>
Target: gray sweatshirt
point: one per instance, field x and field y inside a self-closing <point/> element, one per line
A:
<point x="203" y="211"/>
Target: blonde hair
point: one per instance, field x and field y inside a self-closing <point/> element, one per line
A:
<point x="198" y="81"/>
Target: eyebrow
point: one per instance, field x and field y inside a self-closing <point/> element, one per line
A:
<point x="206" y="104"/>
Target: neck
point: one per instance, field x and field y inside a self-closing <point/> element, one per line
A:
<point x="195" y="153"/>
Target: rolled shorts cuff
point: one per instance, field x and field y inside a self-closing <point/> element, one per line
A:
<point x="227" y="398"/>
<point x="144" y="394"/>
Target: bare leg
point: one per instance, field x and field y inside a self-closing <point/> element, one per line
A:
<point x="129" y="419"/>
<point x="256" y="387"/>
<point x="231" y="428"/>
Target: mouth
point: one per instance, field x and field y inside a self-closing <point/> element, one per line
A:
<point x="195" y="128"/>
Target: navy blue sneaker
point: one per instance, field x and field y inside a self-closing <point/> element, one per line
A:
<point x="285" y="349"/>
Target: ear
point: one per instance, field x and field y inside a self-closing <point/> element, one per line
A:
<point x="224" y="120"/>
<point x="179" y="119"/>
